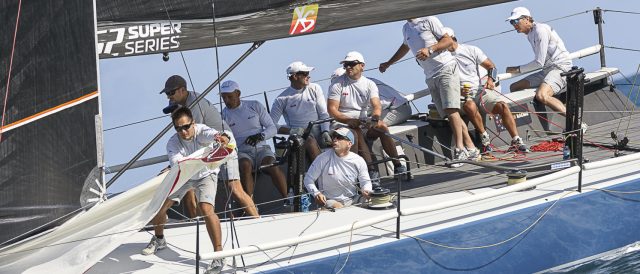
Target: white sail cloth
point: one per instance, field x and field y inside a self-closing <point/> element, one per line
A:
<point x="79" y="243"/>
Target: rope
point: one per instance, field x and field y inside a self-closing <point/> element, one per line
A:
<point x="545" y="146"/>
<point x="618" y="48"/>
<point x="13" y="48"/>
<point x="348" y="252"/>
<point x="620" y="11"/>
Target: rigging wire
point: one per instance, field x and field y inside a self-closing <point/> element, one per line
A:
<point x="626" y="106"/>
<point x="621" y="11"/>
<point x="619" y="48"/>
<point x="13" y="48"/>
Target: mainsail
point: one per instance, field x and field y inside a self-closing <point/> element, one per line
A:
<point x="128" y="28"/>
<point x="49" y="101"/>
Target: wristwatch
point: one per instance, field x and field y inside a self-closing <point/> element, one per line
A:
<point x="430" y="51"/>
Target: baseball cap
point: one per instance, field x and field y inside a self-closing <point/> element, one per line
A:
<point x="449" y="31"/>
<point x="353" y="56"/>
<point x="229" y="86"/>
<point x="344" y="132"/>
<point x="174" y="82"/>
<point x="519" y="12"/>
<point x="298" y="66"/>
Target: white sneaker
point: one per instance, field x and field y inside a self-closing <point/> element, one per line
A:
<point x="459" y="155"/>
<point x="485" y="140"/>
<point x="154" y="245"/>
<point x="473" y="154"/>
<point x="518" y="145"/>
<point x="216" y="266"/>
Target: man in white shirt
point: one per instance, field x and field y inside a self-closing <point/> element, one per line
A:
<point x="206" y="113"/>
<point x="189" y="138"/>
<point x="474" y="66"/>
<point x="395" y="107"/>
<point x="428" y="42"/>
<point x="251" y="125"/>
<point x="337" y="172"/>
<point x="550" y="55"/>
<point x="302" y="102"/>
<point x="352" y="97"/>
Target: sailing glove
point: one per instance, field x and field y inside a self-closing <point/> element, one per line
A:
<point x="326" y="138"/>
<point x="253" y="140"/>
<point x="296" y="131"/>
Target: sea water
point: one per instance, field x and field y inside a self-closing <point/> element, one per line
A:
<point x="623" y="260"/>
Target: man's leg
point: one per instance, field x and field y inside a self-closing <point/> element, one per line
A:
<point x="520" y="85"/>
<point x="471" y="109"/>
<point x="312" y="147"/>
<point x="190" y="204"/>
<point x="213" y="225"/>
<point x="246" y="175"/>
<point x="507" y="118"/>
<point x="277" y="176"/>
<point x="388" y="145"/>
<point x="158" y="242"/>
<point x="456" y="126"/>
<point x="544" y="95"/>
<point x="243" y="198"/>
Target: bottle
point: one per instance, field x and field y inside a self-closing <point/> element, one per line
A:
<point x="305" y="203"/>
<point x="289" y="200"/>
<point x="566" y="153"/>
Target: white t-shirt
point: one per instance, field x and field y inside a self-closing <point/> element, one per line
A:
<point x="354" y="95"/>
<point x="249" y="118"/>
<point x="299" y="107"/>
<point x="548" y="49"/>
<point x="422" y="33"/>
<point x="469" y="59"/>
<point x="337" y="175"/>
<point x="177" y="148"/>
<point x="389" y="97"/>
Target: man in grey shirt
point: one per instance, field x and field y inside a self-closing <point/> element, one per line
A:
<point x="206" y="113"/>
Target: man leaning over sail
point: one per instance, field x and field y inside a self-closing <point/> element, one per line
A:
<point x="205" y="112"/>
<point x="473" y="65"/>
<point x="337" y="171"/>
<point x="302" y="102"/>
<point x="249" y="121"/>
<point x="352" y="97"/>
<point x="428" y="42"/>
<point x="189" y="138"/>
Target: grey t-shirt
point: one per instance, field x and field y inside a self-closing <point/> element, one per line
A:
<point x="422" y="33"/>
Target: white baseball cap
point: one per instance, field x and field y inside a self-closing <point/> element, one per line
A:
<point x="449" y="31"/>
<point x="298" y="66"/>
<point x="519" y="12"/>
<point x="353" y="56"/>
<point x="337" y="73"/>
<point x="229" y="87"/>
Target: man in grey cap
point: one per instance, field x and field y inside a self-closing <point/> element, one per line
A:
<point x="550" y="55"/>
<point x="206" y="113"/>
<point x="302" y="102"/>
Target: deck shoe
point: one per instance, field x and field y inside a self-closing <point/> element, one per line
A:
<point x="216" y="266"/>
<point x="518" y="145"/>
<point x="459" y="155"/>
<point x="154" y="245"/>
<point x="374" y="175"/>
<point x="473" y="154"/>
<point x="485" y="140"/>
<point x="399" y="170"/>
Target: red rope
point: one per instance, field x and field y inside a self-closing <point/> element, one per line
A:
<point x="13" y="47"/>
<point x="553" y="145"/>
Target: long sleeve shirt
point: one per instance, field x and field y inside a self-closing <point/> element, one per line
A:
<point x="249" y="118"/>
<point x="178" y="148"/>
<point x="337" y="175"/>
<point x="548" y="48"/>
<point x="299" y="107"/>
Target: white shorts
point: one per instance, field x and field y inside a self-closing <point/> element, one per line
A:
<point x="257" y="154"/>
<point x="206" y="189"/>
<point x="230" y="168"/>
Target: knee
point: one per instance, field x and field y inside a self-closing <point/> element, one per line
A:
<point x="469" y="107"/>
<point x="206" y="208"/>
<point x="245" y="165"/>
<point x="541" y="97"/>
<point x="499" y="108"/>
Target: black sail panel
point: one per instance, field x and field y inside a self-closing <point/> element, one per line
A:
<point x="128" y="28"/>
<point x="48" y="142"/>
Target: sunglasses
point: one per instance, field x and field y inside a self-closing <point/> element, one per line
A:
<point x="183" y="127"/>
<point x="340" y="137"/>
<point x="350" y="64"/>
<point x="515" y="21"/>
<point x="172" y="92"/>
<point x="303" y="73"/>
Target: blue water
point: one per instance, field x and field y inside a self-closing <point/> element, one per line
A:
<point x="626" y="260"/>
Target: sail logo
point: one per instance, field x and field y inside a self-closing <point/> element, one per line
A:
<point x="304" y="19"/>
<point x="137" y="39"/>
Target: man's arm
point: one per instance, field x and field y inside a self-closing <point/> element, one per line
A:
<point x="540" y="51"/>
<point x="314" y="172"/>
<point x="332" y="108"/>
<point x="443" y="44"/>
<point x="401" y="52"/>
<point x="489" y="66"/>
<point x="266" y="121"/>
<point x="321" y="109"/>
<point x="276" y="112"/>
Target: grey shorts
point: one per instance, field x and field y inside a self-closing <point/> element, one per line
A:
<point x="488" y="99"/>
<point x="397" y="115"/>
<point x="550" y="77"/>
<point x="231" y="168"/>
<point x="445" y="88"/>
<point x="256" y="154"/>
<point x="205" y="188"/>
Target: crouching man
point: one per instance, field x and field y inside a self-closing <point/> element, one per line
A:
<point x="337" y="171"/>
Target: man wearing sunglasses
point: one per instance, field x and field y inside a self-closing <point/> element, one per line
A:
<point x="302" y="102"/>
<point x="425" y="37"/>
<point x="252" y="125"/>
<point x="205" y="112"/>
<point x="550" y="55"/>
<point x="189" y="138"/>
<point x="337" y="172"/>
<point x="474" y="66"/>
<point x="353" y="98"/>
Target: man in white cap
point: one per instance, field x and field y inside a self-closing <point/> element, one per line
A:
<point x="189" y="138"/>
<point x="550" y="55"/>
<point x="352" y="97"/>
<point x="252" y="125"/>
<point x="395" y="107"/>
<point x="427" y="40"/>
<point x="302" y="102"/>
<point x="337" y="172"/>
<point x="205" y="112"/>
<point x="475" y="68"/>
